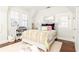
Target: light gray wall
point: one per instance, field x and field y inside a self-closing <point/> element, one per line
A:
<point x="63" y="33"/>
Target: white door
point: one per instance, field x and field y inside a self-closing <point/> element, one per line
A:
<point x="77" y="34"/>
<point x="3" y="24"/>
<point x="77" y="29"/>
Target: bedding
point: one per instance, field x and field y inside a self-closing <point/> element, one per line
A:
<point x="49" y="28"/>
<point x="52" y="35"/>
<point x="42" y="39"/>
<point x="44" y="28"/>
<point x="50" y="25"/>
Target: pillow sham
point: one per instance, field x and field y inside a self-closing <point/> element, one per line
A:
<point x="44" y="28"/>
<point x="49" y="28"/>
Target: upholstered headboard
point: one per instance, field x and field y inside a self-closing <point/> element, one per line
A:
<point x="52" y="25"/>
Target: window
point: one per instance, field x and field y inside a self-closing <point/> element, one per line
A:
<point x="49" y="19"/>
<point x="63" y="21"/>
<point x="18" y="18"/>
<point x="14" y="16"/>
<point x="23" y="20"/>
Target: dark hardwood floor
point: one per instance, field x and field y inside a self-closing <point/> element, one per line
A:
<point x="9" y="43"/>
<point x="67" y="46"/>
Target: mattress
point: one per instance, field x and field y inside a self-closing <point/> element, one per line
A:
<point x="51" y="36"/>
<point x="38" y="45"/>
<point x="39" y="38"/>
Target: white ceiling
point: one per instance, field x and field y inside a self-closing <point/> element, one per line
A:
<point x="33" y="10"/>
<point x="70" y="8"/>
<point x="32" y="7"/>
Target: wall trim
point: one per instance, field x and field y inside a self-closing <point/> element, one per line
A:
<point x="67" y="39"/>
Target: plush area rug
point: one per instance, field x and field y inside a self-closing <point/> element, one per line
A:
<point x="18" y="47"/>
<point x="56" y="46"/>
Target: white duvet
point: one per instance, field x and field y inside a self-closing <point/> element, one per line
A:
<point x="19" y="47"/>
<point x="41" y="39"/>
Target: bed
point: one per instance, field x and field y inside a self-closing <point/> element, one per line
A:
<point x="42" y="39"/>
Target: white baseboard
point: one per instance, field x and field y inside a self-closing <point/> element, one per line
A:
<point x="67" y="39"/>
<point x="3" y="41"/>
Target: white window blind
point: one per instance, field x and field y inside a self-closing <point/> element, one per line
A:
<point x="63" y="21"/>
<point x="23" y="20"/>
<point x="14" y="16"/>
<point x="18" y="18"/>
<point x="49" y="19"/>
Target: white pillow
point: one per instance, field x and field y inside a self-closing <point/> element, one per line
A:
<point x="44" y="28"/>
